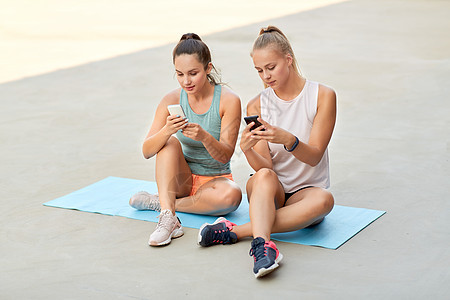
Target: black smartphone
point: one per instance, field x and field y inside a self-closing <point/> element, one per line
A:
<point x="250" y="119"/>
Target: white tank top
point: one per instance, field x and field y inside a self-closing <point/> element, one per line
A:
<point x="295" y="116"/>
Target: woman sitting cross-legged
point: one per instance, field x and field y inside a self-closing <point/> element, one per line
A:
<point x="288" y="152"/>
<point x="192" y="170"/>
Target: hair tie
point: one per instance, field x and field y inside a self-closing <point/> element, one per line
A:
<point x="267" y="30"/>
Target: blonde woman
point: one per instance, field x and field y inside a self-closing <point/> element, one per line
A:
<point x="288" y="152"/>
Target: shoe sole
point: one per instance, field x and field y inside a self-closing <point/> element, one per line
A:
<point x="199" y="239"/>
<point x="263" y="271"/>
<point x="175" y="234"/>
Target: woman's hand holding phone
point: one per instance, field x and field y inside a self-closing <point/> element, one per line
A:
<point x="269" y="133"/>
<point x="177" y="119"/>
<point x="195" y="131"/>
<point x="247" y="139"/>
<point x="255" y="121"/>
<point x="176" y="110"/>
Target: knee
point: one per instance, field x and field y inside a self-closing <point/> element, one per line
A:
<point x="172" y="145"/>
<point x="232" y="196"/>
<point x="326" y="200"/>
<point x="265" y="182"/>
<point x="172" y="142"/>
<point x="265" y="175"/>
<point x="229" y="196"/>
<point x="262" y="177"/>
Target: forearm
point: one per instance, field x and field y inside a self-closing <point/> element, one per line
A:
<point x="308" y="154"/>
<point x="305" y="153"/>
<point x="257" y="161"/>
<point x="153" y="144"/>
<point x="218" y="150"/>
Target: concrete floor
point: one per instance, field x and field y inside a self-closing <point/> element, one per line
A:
<point x="389" y="62"/>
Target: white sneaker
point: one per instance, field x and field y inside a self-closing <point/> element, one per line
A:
<point x="169" y="226"/>
<point x="145" y="201"/>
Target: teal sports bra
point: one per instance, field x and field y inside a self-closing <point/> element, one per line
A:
<point x="198" y="158"/>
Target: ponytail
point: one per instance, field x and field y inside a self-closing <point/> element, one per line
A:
<point x="274" y="37"/>
<point x="191" y="43"/>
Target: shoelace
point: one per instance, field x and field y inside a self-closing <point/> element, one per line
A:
<point x="258" y="251"/>
<point x="164" y="221"/>
<point x="221" y="236"/>
<point x="151" y="203"/>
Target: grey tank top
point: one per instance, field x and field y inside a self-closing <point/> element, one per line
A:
<point x="198" y="158"/>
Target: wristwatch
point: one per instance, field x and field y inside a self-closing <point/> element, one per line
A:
<point x="293" y="146"/>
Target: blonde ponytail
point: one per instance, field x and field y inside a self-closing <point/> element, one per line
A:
<point x="274" y="37"/>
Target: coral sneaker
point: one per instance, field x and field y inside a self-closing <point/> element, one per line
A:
<point x="217" y="233"/>
<point x="266" y="256"/>
<point x="145" y="201"/>
<point x="169" y="226"/>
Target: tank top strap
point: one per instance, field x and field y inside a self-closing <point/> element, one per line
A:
<point x="215" y="105"/>
<point x="184" y="99"/>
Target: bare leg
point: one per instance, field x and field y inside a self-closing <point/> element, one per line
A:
<point x="217" y="197"/>
<point x="173" y="175"/>
<point x="262" y="189"/>
<point x="304" y="208"/>
<point x="174" y="180"/>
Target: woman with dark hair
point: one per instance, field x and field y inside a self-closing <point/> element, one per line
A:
<point x="192" y="169"/>
<point x="288" y="152"/>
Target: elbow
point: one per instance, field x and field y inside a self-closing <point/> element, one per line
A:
<point x="147" y="149"/>
<point x="313" y="163"/>
<point x="227" y="157"/>
<point x="146" y="153"/>
<point x="223" y="156"/>
<point x="315" y="158"/>
<point x="223" y="159"/>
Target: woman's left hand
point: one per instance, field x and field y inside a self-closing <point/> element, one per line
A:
<point x="195" y="132"/>
<point x="273" y="134"/>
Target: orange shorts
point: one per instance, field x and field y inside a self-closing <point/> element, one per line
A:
<point x="199" y="180"/>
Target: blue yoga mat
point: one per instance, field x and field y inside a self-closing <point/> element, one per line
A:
<point x="110" y="196"/>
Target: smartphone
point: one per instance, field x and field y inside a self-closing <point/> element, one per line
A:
<point x="176" y="109"/>
<point x="250" y="119"/>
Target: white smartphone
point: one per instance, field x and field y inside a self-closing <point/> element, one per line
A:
<point x="176" y="109"/>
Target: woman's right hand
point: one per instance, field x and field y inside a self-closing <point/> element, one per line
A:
<point x="247" y="142"/>
<point x="175" y="123"/>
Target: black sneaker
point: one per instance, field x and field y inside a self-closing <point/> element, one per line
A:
<point x="217" y="233"/>
<point x="266" y="256"/>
